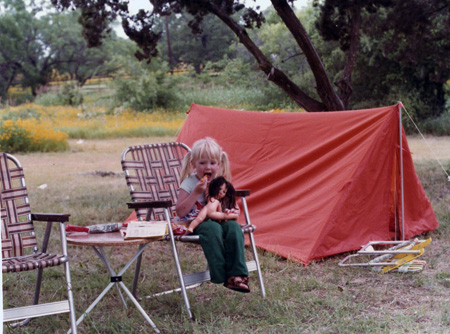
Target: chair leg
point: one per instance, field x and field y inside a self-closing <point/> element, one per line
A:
<point x="253" y="245"/>
<point x="178" y="266"/>
<point x="37" y="290"/>
<point x="73" y="319"/>
<point x="181" y="279"/>
<point x="21" y="323"/>
<point x="137" y="269"/>
<point x="258" y="268"/>
<point x="72" y="316"/>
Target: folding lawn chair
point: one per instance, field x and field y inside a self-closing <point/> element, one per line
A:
<point x="19" y="245"/>
<point x="152" y="174"/>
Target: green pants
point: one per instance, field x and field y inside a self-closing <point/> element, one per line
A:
<point x="223" y="245"/>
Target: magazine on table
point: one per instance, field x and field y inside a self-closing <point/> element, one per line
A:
<point x="138" y="229"/>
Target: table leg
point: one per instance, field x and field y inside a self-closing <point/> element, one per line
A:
<point x="101" y="254"/>
<point x="116" y="279"/>
<point x="91" y="307"/>
<point x="139" y="307"/>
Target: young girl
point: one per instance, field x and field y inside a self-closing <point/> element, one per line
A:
<point x="221" y="203"/>
<point x="222" y="241"/>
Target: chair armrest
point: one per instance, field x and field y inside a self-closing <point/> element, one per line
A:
<point x="243" y="192"/>
<point x="50" y="217"/>
<point x="149" y="204"/>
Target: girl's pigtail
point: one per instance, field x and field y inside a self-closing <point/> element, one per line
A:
<point x="186" y="167"/>
<point x="225" y="166"/>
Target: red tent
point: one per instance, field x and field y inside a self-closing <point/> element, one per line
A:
<point x="321" y="183"/>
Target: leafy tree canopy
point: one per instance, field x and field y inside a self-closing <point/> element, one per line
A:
<point x="141" y="29"/>
<point x="346" y="22"/>
<point x="179" y="45"/>
<point x="35" y="42"/>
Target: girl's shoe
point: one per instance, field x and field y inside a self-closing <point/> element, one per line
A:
<point x="237" y="283"/>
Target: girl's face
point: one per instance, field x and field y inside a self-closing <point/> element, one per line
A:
<point x="223" y="191"/>
<point x="206" y="166"/>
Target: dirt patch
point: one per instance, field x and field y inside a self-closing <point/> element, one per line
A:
<point x="430" y="148"/>
<point x="102" y="173"/>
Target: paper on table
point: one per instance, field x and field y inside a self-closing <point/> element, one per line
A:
<point x="145" y="229"/>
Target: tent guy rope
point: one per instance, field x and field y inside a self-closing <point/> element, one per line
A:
<point x="426" y="142"/>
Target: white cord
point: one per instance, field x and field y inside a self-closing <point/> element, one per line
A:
<point x="448" y="176"/>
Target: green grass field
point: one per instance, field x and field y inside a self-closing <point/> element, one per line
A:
<point x="319" y="298"/>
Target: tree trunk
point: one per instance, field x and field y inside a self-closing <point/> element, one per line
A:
<point x="345" y="86"/>
<point x="273" y="74"/>
<point x="169" y="47"/>
<point x="324" y="88"/>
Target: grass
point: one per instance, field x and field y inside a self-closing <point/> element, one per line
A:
<point x="95" y="122"/>
<point x="232" y="97"/>
<point x="319" y="298"/>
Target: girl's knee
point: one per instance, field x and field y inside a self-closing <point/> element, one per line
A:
<point x="209" y="228"/>
<point x="232" y="228"/>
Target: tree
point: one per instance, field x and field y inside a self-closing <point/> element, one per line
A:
<point x="21" y="47"/>
<point x="140" y="28"/>
<point x="418" y="44"/>
<point x="344" y="17"/>
<point x="80" y="62"/>
<point x="341" y="20"/>
<point x="212" y="44"/>
<point x="32" y="46"/>
<point x="405" y="52"/>
<point x="10" y="46"/>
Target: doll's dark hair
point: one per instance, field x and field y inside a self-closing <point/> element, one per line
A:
<point x="229" y="201"/>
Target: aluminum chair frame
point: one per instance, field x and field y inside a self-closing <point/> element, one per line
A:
<point x="153" y="189"/>
<point x="18" y="239"/>
<point x="386" y="259"/>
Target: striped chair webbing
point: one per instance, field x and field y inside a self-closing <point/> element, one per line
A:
<point x="31" y="262"/>
<point x="17" y="228"/>
<point x="152" y="173"/>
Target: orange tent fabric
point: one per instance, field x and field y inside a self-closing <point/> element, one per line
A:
<point x="321" y="183"/>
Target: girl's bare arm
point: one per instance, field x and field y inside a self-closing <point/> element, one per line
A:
<point x="186" y="201"/>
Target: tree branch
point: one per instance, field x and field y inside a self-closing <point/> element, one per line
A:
<point x="324" y="87"/>
<point x="273" y="74"/>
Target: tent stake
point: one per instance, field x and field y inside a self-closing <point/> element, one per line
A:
<point x="401" y="169"/>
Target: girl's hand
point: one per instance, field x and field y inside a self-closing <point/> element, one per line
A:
<point x="233" y="211"/>
<point x="201" y="186"/>
<point x="231" y="216"/>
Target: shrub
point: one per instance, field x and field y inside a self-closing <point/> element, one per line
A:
<point x="235" y="84"/>
<point x="69" y="95"/>
<point x="148" y="91"/>
<point x="20" y="113"/>
<point x="437" y="126"/>
<point x="49" y="99"/>
<point x="30" y="136"/>
<point x="17" y="96"/>
<point x="13" y="138"/>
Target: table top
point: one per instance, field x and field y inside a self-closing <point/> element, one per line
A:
<point x="102" y="239"/>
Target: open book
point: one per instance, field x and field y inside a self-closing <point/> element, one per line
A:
<point x="145" y="229"/>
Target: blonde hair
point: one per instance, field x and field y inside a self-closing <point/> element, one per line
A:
<point x="206" y="148"/>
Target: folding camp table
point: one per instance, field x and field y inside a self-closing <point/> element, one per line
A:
<point x="113" y="239"/>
